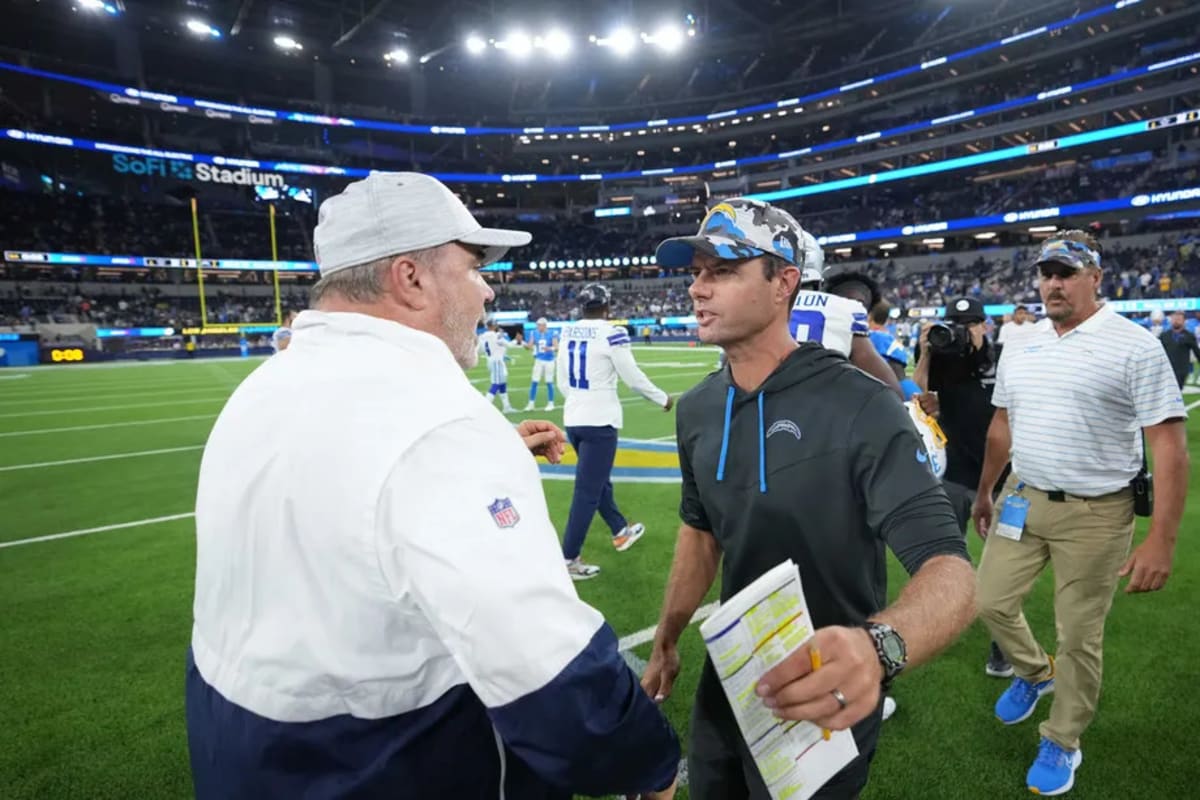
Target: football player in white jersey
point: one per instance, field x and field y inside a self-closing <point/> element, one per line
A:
<point x="544" y="344"/>
<point x="837" y="320"/>
<point x="494" y="344"/>
<point x="592" y="355"/>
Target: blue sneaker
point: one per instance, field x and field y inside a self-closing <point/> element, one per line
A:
<point x="1020" y="699"/>
<point x="1053" y="772"/>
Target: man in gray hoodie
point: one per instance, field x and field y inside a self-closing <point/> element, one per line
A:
<point x="791" y="452"/>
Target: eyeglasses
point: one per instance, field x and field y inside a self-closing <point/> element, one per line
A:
<point x="1053" y="269"/>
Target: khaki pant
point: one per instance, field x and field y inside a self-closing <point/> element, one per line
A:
<point x="1087" y="541"/>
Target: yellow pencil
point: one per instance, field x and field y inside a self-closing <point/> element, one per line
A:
<point x="815" y="659"/>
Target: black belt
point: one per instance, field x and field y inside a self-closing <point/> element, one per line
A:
<point x="1059" y="496"/>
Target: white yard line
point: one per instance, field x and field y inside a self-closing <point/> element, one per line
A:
<point x="14" y="377"/>
<point x="139" y="422"/>
<point x="647" y="634"/>
<point x="158" y="362"/>
<point x="1193" y="405"/>
<point x="85" y="531"/>
<point x="75" y="397"/>
<point x="109" y="457"/>
<point x="61" y="411"/>
<point x="30" y="394"/>
<point x="626" y="643"/>
<point x="89" y="391"/>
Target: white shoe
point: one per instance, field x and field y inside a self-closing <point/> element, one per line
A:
<point x="580" y="571"/>
<point x="528" y="407"/>
<point x="889" y="707"/>
<point x="509" y="410"/>
<point x="628" y="535"/>
<point x="550" y="406"/>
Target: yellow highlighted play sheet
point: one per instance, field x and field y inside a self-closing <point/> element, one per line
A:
<point x="752" y="632"/>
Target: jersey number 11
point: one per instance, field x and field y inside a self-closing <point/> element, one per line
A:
<point x="578" y="380"/>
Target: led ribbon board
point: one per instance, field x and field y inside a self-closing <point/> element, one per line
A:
<point x="178" y="164"/>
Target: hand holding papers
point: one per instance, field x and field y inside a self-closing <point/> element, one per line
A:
<point x="754" y="631"/>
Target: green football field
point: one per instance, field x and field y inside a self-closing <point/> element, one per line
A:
<point x="95" y="625"/>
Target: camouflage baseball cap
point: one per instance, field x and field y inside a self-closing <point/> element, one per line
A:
<point x="1069" y="253"/>
<point x="736" y="229"/>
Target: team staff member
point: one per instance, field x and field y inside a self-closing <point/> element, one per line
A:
<point x="371" y="619"/>
<point x="1069" y="403"/>
<point x="1180" y="345"/>
<point x="790" y="452"/>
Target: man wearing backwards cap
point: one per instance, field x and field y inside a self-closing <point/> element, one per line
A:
<point x="790" y="452"/>
<point x="1069" y="405"/>
<point x="372" y="620"/>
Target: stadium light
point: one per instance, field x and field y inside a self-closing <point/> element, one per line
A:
<point x="99" y="5"/>
<point x="397" y="56"/>
<point x="557" y="43"/>
<point x="285" y="42"/>
<point x="668" y="38"/>
<point x="621" y="41"/>
<point x="986" y="235"/>
<point x="517" y="44"/>
<point x="888" y="246"/>
<point x="476" y="45"/>
<point x="202" y="29"/>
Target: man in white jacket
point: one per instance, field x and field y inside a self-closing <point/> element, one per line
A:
<point x="371" y="619"/>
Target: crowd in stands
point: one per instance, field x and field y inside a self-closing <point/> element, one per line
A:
<point x="114" y="225"/>
<point x="145" y="306"/>
<point x="1169" y="267"/>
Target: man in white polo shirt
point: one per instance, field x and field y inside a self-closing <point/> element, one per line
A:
<point x="1070" y="401"/>
<point x="373" y="616"/>
<point x="1022" y="326"/>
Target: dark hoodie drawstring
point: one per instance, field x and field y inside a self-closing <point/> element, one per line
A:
<point x="762" y="442"/>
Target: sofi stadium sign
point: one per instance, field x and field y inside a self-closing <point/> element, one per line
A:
<point x="186" y="171"/>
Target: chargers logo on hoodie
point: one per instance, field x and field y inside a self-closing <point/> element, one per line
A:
<point x="784" y="426"/>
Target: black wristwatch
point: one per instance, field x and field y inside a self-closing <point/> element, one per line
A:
<point x="890" y="647"/>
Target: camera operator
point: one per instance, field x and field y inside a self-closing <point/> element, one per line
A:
<point x="956" y="371"/>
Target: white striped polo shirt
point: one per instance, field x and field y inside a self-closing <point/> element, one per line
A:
<point x="1076" y="403"/>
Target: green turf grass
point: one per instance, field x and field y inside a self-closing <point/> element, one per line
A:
<point x="95" y="627"/>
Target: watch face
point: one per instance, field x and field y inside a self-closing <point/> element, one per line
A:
<point x="893" y="649"/>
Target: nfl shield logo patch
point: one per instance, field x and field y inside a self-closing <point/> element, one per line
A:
<point x="503" y="513"/>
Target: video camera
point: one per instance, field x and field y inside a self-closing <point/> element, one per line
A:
<point x="949" y="338"/>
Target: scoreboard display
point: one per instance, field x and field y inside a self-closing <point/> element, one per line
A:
<point x="68" y="355"/>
